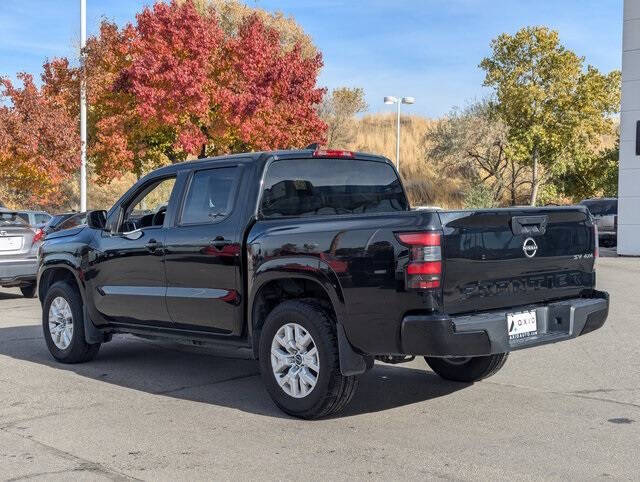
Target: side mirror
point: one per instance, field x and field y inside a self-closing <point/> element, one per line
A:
<point x="97" y="219"/>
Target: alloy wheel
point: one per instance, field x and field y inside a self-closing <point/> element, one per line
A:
<point x="294" y="360"/>
<point x="61" y="322"/>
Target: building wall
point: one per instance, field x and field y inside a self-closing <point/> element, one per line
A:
<point x="629" y="180"/>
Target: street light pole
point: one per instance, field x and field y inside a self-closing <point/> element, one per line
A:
<point x="398" y="139"/>
<point x="398" y="100"/>
<point x="83" y="109"/>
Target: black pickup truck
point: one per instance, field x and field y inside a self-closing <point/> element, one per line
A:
<point x="314" y="263"/>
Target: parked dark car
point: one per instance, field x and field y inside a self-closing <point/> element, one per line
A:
<point x="18" y="253"/>
<point x="64" y="221"/>
<point x="605" y="213"/>
<point x="313" y="263"/>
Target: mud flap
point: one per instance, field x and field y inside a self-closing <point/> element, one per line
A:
<point x="351" y="363"/>
<point x="92" y="335"/>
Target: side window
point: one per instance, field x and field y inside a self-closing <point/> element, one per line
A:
<point x="24" y="217"/>
<point x="148" y="207"/>
<point x="210" y="195"/>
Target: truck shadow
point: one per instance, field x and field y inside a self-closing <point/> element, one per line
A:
<point x="194" y="374"/>
<point x="9" y="296"/>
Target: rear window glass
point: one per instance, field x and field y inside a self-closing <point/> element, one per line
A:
<point x="315" y="187"/>
<point x="210" y="195"/>
<point x="11" y="219"/>
<point x="602" y="207"/>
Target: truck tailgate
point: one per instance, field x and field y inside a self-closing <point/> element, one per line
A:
<point x="514" y="257"/>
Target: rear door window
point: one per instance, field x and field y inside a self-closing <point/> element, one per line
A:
<point x="316" y="187"/>
<point x="210" y="195"/>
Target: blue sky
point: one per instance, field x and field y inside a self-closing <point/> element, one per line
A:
<point x="428" y="49"/>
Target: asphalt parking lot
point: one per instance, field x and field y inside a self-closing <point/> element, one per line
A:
<point x="145" y="410"/>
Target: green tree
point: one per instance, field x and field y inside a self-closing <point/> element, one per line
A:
<point x="338" y="110"/>
<point x="593" y="176"/>
<point x="555" y="109"/>
<point x="479" y="196"/>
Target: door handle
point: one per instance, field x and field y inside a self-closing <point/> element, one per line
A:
<point x="153" y="245"/>
<point x="219" y="242"/>
<point x="529" y="225"/>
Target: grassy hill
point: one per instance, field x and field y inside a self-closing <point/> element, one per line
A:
<point x="376" y="133"/>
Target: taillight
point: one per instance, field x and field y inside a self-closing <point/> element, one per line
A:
<point x="596" y="242"/>
<point x="424" y="270"/>
<point x="38" y="235"/>
<point x="333" y="153"/>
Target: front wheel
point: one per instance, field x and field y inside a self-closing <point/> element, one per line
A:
<point x="299" y="361"/>
<point x="467" y="369"/>
<point x="63" y="325"/>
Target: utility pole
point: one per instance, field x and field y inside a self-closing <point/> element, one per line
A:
<point x="83" y="109"/>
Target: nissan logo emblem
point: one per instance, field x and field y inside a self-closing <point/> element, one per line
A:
<point x="529" y="247"/>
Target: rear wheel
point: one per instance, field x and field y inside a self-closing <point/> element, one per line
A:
<point x="63" y="325"/>
<point x="28" y="291"/>
<point x="467" y="369"/>
<point x="299" y="361"/>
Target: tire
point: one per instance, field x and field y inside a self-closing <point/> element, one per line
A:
<point x="470" y="369"/>
<point x="73" y="348"/>
<point x="28" y="291"/>
<point x="332" y="391"/>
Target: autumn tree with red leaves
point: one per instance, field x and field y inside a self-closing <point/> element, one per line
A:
<point x="174" y="86"/>
<point x="39" y="146"/>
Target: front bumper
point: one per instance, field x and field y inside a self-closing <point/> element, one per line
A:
<point x="18" y="272"/>
<point x="486" y="333"/>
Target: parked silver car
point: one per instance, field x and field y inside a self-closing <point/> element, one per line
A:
<point x="19" y="245"/>
<point x="605" y="212"/>
<point x="35" y="219"/>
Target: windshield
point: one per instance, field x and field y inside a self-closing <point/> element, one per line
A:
<point x="11" y="219"/>
<point x="602" y="207"/>
<point x="57" y="219"/>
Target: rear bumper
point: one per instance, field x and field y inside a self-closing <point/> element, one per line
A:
<point x="486" y="333"/>
<point x="17" y="272"/>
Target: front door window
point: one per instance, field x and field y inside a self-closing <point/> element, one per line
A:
<point x="148" y="208"/>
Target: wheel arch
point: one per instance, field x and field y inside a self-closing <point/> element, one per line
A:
<point x="53" y="273"/>
<point x="301" y="273"/>
<point x="300" y="278"/>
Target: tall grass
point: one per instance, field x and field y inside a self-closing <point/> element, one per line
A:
<point x="376" y="133"/>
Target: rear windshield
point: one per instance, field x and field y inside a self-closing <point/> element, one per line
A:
<point x="602" y="207"/>
<point x="316" y="187"/>
<point x="11" y="219"/>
